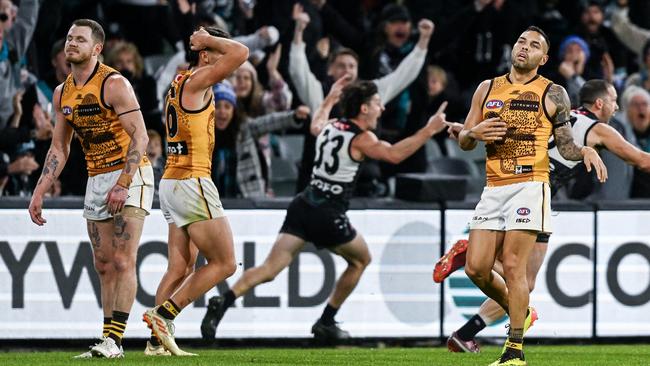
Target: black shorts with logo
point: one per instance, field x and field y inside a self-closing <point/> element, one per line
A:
<point x="324" y="225"/>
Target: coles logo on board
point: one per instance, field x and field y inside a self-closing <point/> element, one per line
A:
<point x="523" y="211"/>
<point x="494" y="104"/>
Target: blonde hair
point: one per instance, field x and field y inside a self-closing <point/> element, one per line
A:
<point x="121" y="47"/>
<point x="438" y="72"/>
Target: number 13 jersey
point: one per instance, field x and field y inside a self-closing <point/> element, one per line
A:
<point x="190" y="134"/>
<point x="335" y="170"/>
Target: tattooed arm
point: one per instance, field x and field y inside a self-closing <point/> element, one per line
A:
<point x="120" y="95"/>
<point x="559" y="107"/>
<point x="54" y="161"/>
<point x="559" y="99"/>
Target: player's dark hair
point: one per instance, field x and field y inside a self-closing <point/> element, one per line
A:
<point x="540" y="31"/>
<point x="193" y="56"/>
<point x="592" y="90"/>
<point x="356" y="94"/>
<point x="96" y="29"/>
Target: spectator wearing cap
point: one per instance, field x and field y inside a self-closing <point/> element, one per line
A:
<point x="236" y="165"/>
<point x="574" y="54"/>
<point x="16" y="30"/>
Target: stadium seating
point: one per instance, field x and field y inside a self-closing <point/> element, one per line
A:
<point x="284" y="164"/>
<point x="459" y="167"/>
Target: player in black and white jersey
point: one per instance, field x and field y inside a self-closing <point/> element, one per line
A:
<point x="318" y="214"/>
<point x="590" y="127"/>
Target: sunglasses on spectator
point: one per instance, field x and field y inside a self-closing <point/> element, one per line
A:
<point x="4" y="17"/>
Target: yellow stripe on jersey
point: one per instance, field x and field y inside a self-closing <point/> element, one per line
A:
<point x="104" y="141"/>
<point x="522" y="155"/>
<point x="190" y="135"/>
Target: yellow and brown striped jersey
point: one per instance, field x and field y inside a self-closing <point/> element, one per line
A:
<point x="522" y="155"/>
<point x="190" y="134"/>
<point x="105" y="142"/>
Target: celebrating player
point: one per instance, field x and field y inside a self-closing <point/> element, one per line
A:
<point x="318" y="214"/>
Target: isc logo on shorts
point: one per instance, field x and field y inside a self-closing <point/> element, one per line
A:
<point x="493" y="104"/>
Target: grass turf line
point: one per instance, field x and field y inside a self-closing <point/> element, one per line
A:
<point x="619" y="355"/>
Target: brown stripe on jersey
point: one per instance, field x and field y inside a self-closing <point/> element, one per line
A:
<point x="207" y="207"/>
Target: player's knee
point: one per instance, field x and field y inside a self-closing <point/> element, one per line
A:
<point x="531" y="284"/>
<point x="476" y="275"/>
<point x="103" y="266"/>
<point x="123" y="263"/>
<point x="366" y="260"/>
<point x="224" y="266"/>
<point x="360" y="263"/>
<point x="230" y="267"/>
<point x="511" y="268"/>
<point x="176" y="270"/>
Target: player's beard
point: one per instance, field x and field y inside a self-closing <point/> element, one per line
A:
<point x="77" y="59"/>
<point x="523" y="67"/>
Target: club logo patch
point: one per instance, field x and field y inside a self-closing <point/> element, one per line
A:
<point x="494" y="104"/>
<point x="523" y="211"/>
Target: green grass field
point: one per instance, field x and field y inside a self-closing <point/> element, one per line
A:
<point x="619" y="355"/>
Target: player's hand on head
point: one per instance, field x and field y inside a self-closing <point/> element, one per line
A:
<point x="491" y="129"/>
<point x="116" y="198"/>
<point x="198" y="39"/>
<point x="593" y="160"/>
<point x="36" y="210"/>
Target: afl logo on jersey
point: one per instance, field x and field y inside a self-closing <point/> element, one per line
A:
<point x="66" y="110"/>
<point x="493" y="104"/>
<point x="523" y="211"/>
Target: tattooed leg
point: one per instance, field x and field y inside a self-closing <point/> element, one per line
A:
<point x="100" y="234"/>
<point x="125" y="240"/>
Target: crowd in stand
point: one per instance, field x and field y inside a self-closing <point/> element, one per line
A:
<point x="298" y="48"/>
